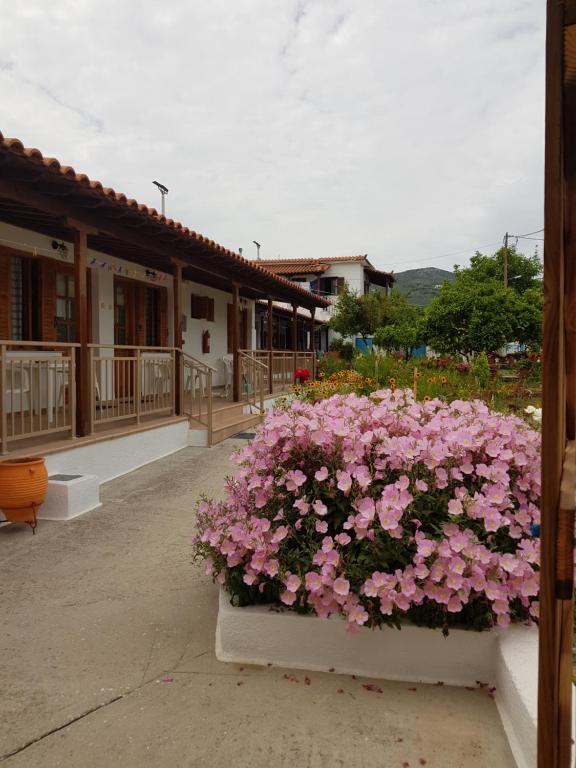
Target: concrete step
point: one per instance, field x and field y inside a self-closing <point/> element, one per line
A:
<point x="243" y="424"/>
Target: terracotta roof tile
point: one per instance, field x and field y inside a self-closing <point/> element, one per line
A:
<point x="15" y="146"/>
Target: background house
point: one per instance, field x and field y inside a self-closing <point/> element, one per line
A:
<point x="325" y="277"/>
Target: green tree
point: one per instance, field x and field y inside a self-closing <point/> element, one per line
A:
<point x="362" y="315"/>
<point x="524" y="272"/>
<point x="469" y="317"/>
<point x="404" y="333"/>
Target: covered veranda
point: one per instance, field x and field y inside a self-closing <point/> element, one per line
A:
<point x="67" y="371"/>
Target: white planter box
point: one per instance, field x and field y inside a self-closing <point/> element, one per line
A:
<point x="257" y="635"/>
<point x="507" y="659"/>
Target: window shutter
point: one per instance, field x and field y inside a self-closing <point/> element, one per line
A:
<point x="339" y="284"/>
<point x="48" y="327"/>
<point x="210" y="315"/>
<point x="230" y="326"/>
<point x="5" y="297"/>
<point x="140" y="302"/>
<point x="162" y="317"/>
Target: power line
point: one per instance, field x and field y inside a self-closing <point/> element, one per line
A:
<point x="472" y="250"/>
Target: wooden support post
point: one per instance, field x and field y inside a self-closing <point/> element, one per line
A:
<point x="294" y="339"/>
<point x="311" y="346"/>
<point x="177" y="286"/>
<point x="312" y="326"/>
<point x="270" y="339"/>
<point x="236" y="341"/>
<point x="83" y="383"/>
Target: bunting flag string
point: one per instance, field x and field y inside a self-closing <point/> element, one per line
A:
<point x="149" y="274"/>
<point x="62" y="250"/>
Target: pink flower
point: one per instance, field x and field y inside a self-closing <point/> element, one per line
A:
<point x="321" y="526"/>
<point x="341" y="586"/>
<point x="279" y="534"/>
<point x="313" y="581"/>
<point x="294" y="479"/>
<point x="292" y="583"/>
<point x="287" y="597"/>
<point x="320" y="508"/>
<point x="420" y="485"/>
<point x="343" y="538"/>
<point x="344" y="480"/>
<point x="321" y="474"/>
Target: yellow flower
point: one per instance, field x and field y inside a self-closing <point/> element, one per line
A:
<point x="427" y="398"/>
<point x="443" y="380"/>
<point x="432" y="380"/>
<point x="392" y="382"/>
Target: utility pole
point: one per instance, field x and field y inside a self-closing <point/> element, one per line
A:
<point x="506" y="260"/>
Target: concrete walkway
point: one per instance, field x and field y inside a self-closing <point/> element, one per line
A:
<point x="107" y="660"/>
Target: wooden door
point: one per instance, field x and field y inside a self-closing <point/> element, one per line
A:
<point x="124" y="335"/>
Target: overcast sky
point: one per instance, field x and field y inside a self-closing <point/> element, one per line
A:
<point x="410" y="131"/>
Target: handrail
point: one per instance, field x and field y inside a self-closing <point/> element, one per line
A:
<point x="195" y="360"/>
<point x="246" y="353"/>
<point x="133" y="346"/>
<point x="50" y="344"/>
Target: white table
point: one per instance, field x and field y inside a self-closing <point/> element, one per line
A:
<point x="42" y="386"/>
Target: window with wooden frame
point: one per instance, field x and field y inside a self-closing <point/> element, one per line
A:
<point x="64" y="319"/>
<point x="201" y="308"/>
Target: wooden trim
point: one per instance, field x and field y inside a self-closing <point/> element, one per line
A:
<point x="294" y="327"/>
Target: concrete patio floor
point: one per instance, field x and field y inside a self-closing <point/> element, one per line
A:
<point x="107" y="657"/>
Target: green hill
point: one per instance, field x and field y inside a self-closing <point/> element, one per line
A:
<point x="420" y="286"/>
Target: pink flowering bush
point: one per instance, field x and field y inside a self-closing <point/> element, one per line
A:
<point x="381" y="509"/>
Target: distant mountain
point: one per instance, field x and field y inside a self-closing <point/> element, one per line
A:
<point x="420" y="286"/>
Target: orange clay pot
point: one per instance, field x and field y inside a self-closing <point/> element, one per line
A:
<point x="23" y="486"/>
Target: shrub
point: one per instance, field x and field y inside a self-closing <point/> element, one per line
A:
<point x="347" y="351"/>
<point x="380" y="509"/>
<point x="482" y="370"/>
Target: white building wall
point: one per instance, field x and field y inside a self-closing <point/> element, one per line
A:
<point x="192" y="336"/>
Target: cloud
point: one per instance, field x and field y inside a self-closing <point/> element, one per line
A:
<point x="403" y="130"/>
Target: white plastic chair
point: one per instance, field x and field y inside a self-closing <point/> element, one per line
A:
<point x="228" y="361"/>
<point x="17" y="395"/>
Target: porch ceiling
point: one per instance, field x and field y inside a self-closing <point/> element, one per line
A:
<point x="40" y="194"/>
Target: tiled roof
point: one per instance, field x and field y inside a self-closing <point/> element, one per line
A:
<point x="316" y="260"/>
<point x="308" y="267"/>
<point x="320" y="264"/>
<point x="16" y="148"/>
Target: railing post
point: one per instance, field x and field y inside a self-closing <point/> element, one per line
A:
<point x="3" y="389"/>
<point x="209" y="406"/>
<point x="174" y="385"/>
<point x="138" y="394"/>
<point x="261" y="373"/>
<point x="270" y="372"/>
<point x="72" y="391"/>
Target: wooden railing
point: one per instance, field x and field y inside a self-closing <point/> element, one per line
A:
<point x="196" y="391"/>
<point x="280" y="367"/>
<point x="37" y="390"/>
<point x="130" y="382"/>
<point x="253" y="377"/>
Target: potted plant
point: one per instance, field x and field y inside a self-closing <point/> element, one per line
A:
<point x="23" y="486"/>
